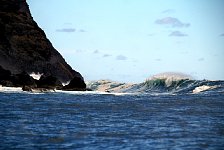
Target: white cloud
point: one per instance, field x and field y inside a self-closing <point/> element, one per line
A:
<point x="168" y="11"/>
<point x="68" y="30"/>
<point x="171" y="21"/>
<point x="177" y="33"/>
<point x="106" y="55"/>
<point x="121" y="57"/>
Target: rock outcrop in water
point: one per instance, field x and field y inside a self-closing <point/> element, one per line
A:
<point x="75" y="84"/>
<point x="44" y="84"/>
<point x="49" y="82"/>
<point x="16" y="80"/>
<point x="25" y="47"/>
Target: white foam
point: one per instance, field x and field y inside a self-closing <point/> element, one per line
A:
<point x="19" y="90"/>
<point x="10" y="89"/>
<point x="91" y="92"/>
<point x="36" y="76"/>
<point x="173" y="76"/>
<point x="203" y="88"/>
<point x="65" y="83"/>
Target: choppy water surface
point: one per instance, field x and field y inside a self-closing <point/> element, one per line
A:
<point x="94" y="121"/>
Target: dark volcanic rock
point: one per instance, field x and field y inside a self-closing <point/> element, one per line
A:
<point x="25" y="47"/>
<point x="36" y="90"/>
<point x="49" y="82"/>
<point x="5" y="77"/>
<point x="27" y="88"/>
<point x="76" y="84"/>
<point x="18" y="80"/>
<point x="22" y="79"/>
<point x="4" y="74"/>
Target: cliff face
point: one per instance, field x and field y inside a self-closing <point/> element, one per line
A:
<point x="25" y="47"/>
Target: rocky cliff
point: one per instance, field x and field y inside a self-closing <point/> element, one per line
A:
<point x="25" y="47"/>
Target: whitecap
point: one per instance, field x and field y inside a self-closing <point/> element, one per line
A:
<point x="203" y="88"/>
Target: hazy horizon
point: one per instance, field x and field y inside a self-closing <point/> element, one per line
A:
<point x="129" y="41"/>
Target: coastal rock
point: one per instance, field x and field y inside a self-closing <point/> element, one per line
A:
<point x="4" y="74"/>
<point x="49" y="82"/>
<point x="16" y="80"/>
<point x="27" y="88"/>
<point x="76" y="84"/>
<point x="25" y="47"/>
<point x="19" y="80"/>
<point x="36" y="90"/>
<point x="6" y="83"/>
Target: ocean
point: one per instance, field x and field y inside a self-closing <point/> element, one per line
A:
<point x="91" y="120"/>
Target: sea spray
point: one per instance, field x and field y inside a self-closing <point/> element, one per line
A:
<point x="171" y="83"/>
<point x="36" y="75"/>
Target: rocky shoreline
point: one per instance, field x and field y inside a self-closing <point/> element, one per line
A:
<point x="46" y="83"/>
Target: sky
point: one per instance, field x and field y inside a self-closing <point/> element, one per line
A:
<point x="131" y="40"/>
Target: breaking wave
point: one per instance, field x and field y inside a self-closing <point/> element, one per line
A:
<point x="181" y="86"/>
<point x="176" y="83"/>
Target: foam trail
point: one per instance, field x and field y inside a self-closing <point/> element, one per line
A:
<point x="203" y="88"/>
<point x="10" y="89"/>
<point x="92" y="92"/>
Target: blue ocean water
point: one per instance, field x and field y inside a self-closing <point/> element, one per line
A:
<point x="107" y="121"/>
